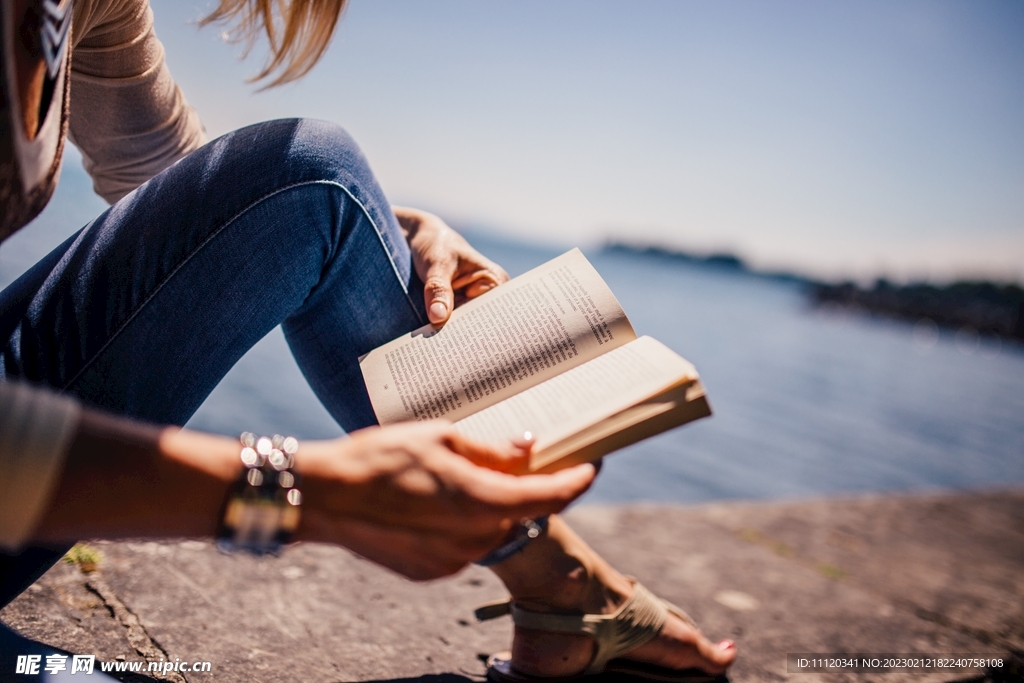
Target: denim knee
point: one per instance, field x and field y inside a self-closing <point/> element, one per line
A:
<point x="322" y="151"/>
<point x="254" y="162"/>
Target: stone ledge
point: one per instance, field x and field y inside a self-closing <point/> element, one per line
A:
<point x="935" y="573"/>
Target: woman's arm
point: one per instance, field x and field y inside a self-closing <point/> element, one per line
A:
<point x="418" y="498"/>
<point x="127" y="479"/>
<point x="127" y="115"/>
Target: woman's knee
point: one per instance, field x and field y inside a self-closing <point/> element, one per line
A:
<point x="271" y="168"/>
<point x="312" y="152"/>
<point x="264" y="158"/>
<point x="323" y="150"/>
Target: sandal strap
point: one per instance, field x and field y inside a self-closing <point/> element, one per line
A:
<point x="678" y="611"/>
<point x="493" y="610"/>
<point x="636" y="622"/>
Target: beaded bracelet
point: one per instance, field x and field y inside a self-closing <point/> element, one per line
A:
<point x="261" y="510"/>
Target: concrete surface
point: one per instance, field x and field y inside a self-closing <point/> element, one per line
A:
<point x="939" y="573"/>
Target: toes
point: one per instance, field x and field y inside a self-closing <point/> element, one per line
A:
<point x="718" y="655"/>
<point x="686" y="647"/>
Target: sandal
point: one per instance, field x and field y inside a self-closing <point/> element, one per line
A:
<point x="636" y="622"/>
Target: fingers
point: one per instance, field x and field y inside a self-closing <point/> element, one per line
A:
<point x="438" y="294"/>
<point x="529" y="495"/>
<point x="446" y="263"/>
<point x="481" y="276"/>
<point x="512" y="459"/>
<point x="498" y="271"/>
<point x="543" y="494"/>
<point x="445" y="498"/>
<point x="478" y="288"/>
<point x="486" y="276"/>
<point x="516" y="496"/>
<point x="525" y="441"/>
<point x="474" y="286"/>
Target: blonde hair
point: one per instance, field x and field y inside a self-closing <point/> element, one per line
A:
<point x="298" y="31"/>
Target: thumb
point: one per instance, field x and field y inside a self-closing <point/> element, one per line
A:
<point x="438" y="295"/>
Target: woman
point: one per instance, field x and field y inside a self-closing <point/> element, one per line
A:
<point x="132" y="322"/>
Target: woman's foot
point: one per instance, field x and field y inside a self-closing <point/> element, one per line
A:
<point x="558" y="572"/>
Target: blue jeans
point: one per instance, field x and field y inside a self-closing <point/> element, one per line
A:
<point x="144" y="310"/>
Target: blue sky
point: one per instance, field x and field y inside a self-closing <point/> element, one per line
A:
<point x="839" y="138"/>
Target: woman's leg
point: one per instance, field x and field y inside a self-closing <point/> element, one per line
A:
<point x="559" y="572"/>
<point x="144" y="311"/>
<point x="149" y="306"/>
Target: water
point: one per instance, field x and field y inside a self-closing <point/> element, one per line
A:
<point x="806" y="402"/>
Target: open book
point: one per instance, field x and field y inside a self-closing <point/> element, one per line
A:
<point x="550" y="352"/>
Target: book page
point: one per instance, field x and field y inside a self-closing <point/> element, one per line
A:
<point x="544" y="322"/>
<point x="584" y="396"/>
<point x="671" y="408"/>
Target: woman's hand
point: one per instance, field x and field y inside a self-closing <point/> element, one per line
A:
<point x="452" y="271"/>
<point x="418" y="497"/>
<point x="422" y="499"/>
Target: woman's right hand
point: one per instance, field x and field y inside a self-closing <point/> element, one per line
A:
<point x="420" y="498"/>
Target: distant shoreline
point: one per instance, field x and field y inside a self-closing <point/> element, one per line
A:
<point x="975" y="307"/>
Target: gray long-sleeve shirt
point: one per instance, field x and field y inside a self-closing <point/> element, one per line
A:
<point x="127" y="116"/>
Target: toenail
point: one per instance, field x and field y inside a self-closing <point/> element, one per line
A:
<point x="726" y="645"/>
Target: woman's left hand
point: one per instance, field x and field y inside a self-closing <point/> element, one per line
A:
<point x="452" y="271"/>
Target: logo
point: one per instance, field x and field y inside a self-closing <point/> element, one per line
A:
<point x="29" y="664"/>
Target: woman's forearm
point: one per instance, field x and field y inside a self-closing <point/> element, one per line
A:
<point x="125" y="479"/>
<point x="418" y="497"/>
